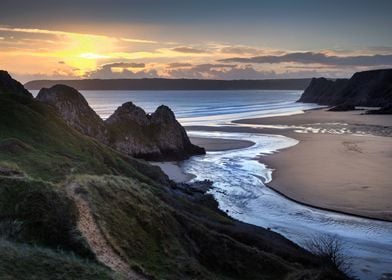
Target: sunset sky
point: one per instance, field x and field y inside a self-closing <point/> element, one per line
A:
<point x="193" y="39"/>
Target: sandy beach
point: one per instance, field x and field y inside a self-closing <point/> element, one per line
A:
<point x="343" y="160"/>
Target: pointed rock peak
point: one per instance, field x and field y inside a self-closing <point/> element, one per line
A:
<point x="10" y="86"/>
<point x="128" y="112"/>
<point x="164" y="113"/>
<point x="129" y="107"/>
<point x="164" y="109"/>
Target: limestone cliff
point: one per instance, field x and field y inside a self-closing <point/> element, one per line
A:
<point x="75" y="110"/>
<point x="368" y="88"/>
<point x="157" y="136"/>
<point x="129" y="130"/>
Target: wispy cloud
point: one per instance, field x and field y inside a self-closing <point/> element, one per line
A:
<point x="188" y="50"/>
<point x="65" y="33"/>
<point x="178" y="65"/>
<point x="316" y="58"/>
<point x="124" y="65"/>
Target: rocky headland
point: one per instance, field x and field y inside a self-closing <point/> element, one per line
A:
<point x="369" y="89"/>
<point x="129" y="129"/>
<point x="74" y="208"/>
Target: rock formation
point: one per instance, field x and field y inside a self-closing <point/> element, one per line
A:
<point x="342" y="108"/>
<point x="386" y="110"/>
<point x="11" y="86"/>
<point x="369" y="88"/>
<point x="323" y="91"/>
<point x="156" y="137"/>
<point x="129" y="130"/>
<point x="75" y="110"/>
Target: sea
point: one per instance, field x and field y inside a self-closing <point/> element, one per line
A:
<point x="239" y="178"/>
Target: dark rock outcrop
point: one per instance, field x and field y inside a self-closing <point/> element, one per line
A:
<point x="75" y="110"/>
<point x="129" y="130"/>
<point x="158" y="136"/>
<point x="387" y="110"/>
<point x="342" y="108"/>
<point x="368" y="88"/>
<point x="323" y="91"/>
<point x="11" y="86"/>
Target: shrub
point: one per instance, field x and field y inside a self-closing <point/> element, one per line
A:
<point x="330" y="249"/>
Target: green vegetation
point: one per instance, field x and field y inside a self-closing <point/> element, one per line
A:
<point x="41" y="213"/>
<point x="159" y="231"/>
<point x="35" y="138"/>
<point x="170" y="237"/>
<point x="21" y="261"/>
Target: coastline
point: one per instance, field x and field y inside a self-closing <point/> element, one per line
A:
<point x="324" y="209"/>
<point x="327" y="165"/>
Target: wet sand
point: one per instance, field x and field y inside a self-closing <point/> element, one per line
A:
<point x="348" y="172"/>
<point x="219" y="144"/>
<point x="174" y="171"/>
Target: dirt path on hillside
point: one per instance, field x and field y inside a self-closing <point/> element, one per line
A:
<point x="97" y="241"/>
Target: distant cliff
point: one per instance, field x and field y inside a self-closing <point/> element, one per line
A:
<point x="172" y="84"/>
<point x="368" y="88"/>
<point x="130" y="130"/>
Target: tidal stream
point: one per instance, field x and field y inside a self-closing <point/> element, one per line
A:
<point x="240" y="190"/>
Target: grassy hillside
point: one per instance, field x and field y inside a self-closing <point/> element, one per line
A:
<point x="159" y="231"/>
<point x="39" y="142"/>
<point x="22" y="261"/>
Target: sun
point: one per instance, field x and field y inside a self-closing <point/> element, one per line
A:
<point x="83" y="52"/>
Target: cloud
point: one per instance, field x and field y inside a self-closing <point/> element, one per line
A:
<point x="178" y="65"/>
<point x="317" y="58"/>
<point x="65" y="33"/>
<point x="241" y="50"/>
<point x="188" y="50"/>
<point x="58" y="74"/>
<point x="106" y="72"/>
<point x="381" y="49"/>
<point x="124" y="65"/>
<point x="219" y="71"/>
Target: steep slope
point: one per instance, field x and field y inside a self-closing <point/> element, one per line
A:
<point x="368" y="88"/>
<point x="11" y="86"/>
<point x="74" y="109"/>
<point x="36" y="138"/>
<point x="323" y="91"/>
<point x="129" y="130"/>
<point x="159" y="231"/>
<point x="26" y="262"/>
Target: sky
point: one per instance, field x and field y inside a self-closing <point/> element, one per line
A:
<point x="204" y="39"/>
